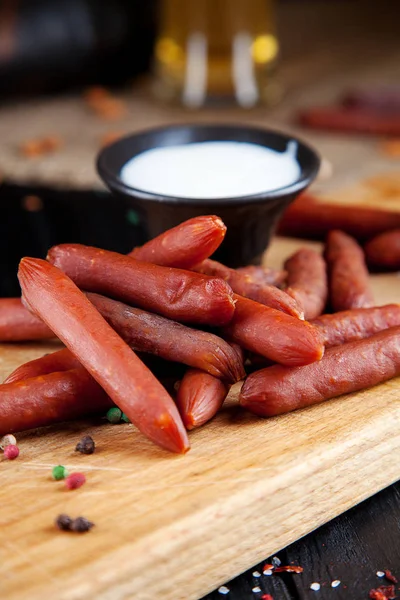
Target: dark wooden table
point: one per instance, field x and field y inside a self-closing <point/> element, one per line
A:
<point x="351" y="549"/>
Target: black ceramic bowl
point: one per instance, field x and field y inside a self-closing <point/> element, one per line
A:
<point x="251" y="220"/>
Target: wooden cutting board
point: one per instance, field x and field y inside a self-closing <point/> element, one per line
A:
<point x="177" y="527"/>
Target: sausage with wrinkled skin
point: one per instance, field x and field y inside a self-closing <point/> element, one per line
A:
<point x="56" y="299"/>
<point x="174" y="293"/>
<point x="349" y="284"/>
<point x="357" y="324"/>
<point x="307" y="281"/>
<point x="147" y="332"/>
<point x="264" y="275"/>
<point x="310" y="218"/>
<point x="344" y="369"/>
<point x="274" y="334"/>
<point x="185" y="245"/>
<point x="355" y="120"/>
<point x="383" y="251"/>
<point x="18" y="324"/>
<point x="49" y="399"/>
<point x="244" y="286"/>
<point x="200" y="397"/>
<point x="62" y="360"/>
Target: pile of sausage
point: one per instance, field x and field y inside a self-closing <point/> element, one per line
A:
<point x="122" y="317"/>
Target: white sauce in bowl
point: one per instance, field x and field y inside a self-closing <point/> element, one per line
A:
<point x="212" y="170"/>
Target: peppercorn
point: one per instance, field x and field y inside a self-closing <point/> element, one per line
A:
<point x="11" y="452"/>
<point x="114" y="415"/>
<point x="59" y="472"/>
<point x="125" y="418"/>
<point x="75" y="481"/>
<point x="81" y="524"/>
<point x="7" y="440"/>
<point x="86" y="445"/>
<point x="64" y="522"/>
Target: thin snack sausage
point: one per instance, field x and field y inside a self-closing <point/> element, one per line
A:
<point x="264" y="275"/>
<point x="348" y="275"/>
<point x="309" y="218"/>
<point x="383" y="251"/>
<point x="49" y="399"/>
<point x="355" y="120"/>
<point x="350" y="325"/>
<point x="62" y="360"/>
<point x="244" y="286"/>
<point x="185" y="245"/>
<point x="18" y="324"/>
<point x="274" y="334"/>
<point x="147" y="332"/>
<point x="133" y="388"/>
<point x="344" y="369"/>
<point x="307" y="281"/>
<point x="200" y="397"/>
<point x="174" y="293"/>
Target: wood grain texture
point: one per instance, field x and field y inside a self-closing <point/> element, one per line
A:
<point x="177" y="527"/>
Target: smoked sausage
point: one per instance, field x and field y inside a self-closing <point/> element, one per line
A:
<point x="344" y="369"/>
<point x="66" y="310"/>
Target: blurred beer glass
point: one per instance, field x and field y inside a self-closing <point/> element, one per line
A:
<point x="217" y="50"/>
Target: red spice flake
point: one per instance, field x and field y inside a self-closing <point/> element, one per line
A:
<point x="289" y="569"/>
<point x="266" y="597"/>
<point x="11" y="452"/>
<point x="110" y="137"/>
<point x="390" y="577"/>
<point x="383" y="593"/>
<point x="104" y="104"/>
<point x="75" y="480"/>
<point x="40" y="146"/>
<point x="268" y="567"/>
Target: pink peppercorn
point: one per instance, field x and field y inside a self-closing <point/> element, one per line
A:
<point x="75" y="480"/>
<point x="11" y="452"/>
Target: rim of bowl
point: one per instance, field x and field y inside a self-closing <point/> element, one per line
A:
<point x="212" y="132"/>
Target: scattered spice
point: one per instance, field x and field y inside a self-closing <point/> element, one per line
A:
<point x="256" y="589"/>
<point x="40" y="146"/>
<point x="104" y="104"/>
<point x="315" y="586"/>
<point x="256" y="574"/>
<point x="125" y="418"/>
<point x="276" y="562"/>
<point x="7" y="440"/>
<point x="223" y="590"/>
<point x="64" y="522"/>
<point x="268" y="567"/>
<point x="383" y="593"/>
<point x="110" y="137"/>
<point x="335" y="583"/>
<point x="289" y="569"/>
<point x="380" y="574"/>
<point x="267" y="572"/>
<point x="75" y="481"/>
<point x="86" y="445"/>
<point x="390" y="577"/>
<point x="78" y="525"/>
<point x="81" y="524"/>
<point x="114" y="415"/>
<point x="11" y="452"/>
<point x="391" y="148"/>
<point x="59" y="472"/>
<point x="266" y="597"/>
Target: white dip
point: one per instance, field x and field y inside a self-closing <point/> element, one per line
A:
<point x="212" y="170"/>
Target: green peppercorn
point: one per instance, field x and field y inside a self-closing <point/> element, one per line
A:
<point x="59" y="472"/>
<point x="125" y="418"/>
<point x="114" y="415"/>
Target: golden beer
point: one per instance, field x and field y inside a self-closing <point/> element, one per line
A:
<point x="210" y="50"/>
